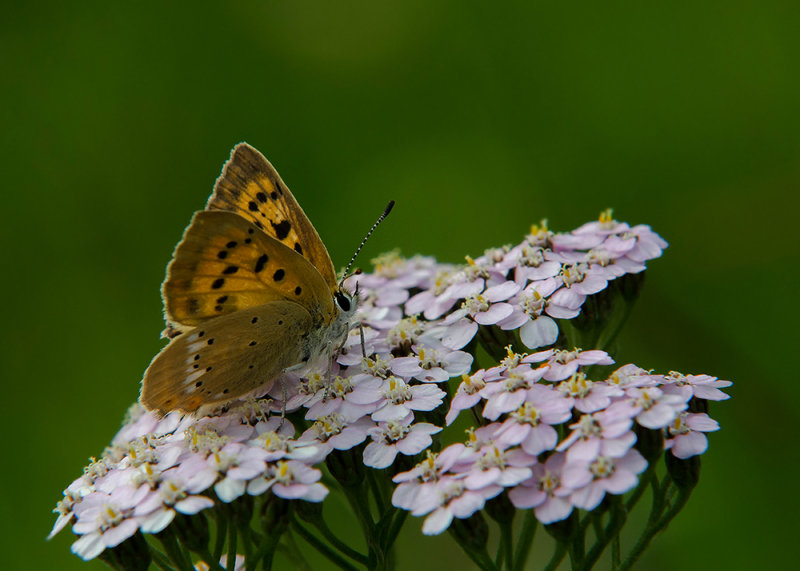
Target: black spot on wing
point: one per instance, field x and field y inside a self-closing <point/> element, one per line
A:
<point x="261" y="197"/>
<point x="298" y="248"/>
<point x="222" y="254"/>
<point x="261" y="262"/>
<point x="278" y="275"/>
<point x="218" y="283"/>
<point x="231" y="244"/>
<point x="282" y="229"/>
<point x="252" y="206"/>
<point x="230" y="270"/>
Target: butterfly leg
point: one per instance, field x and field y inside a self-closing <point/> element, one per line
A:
<point x="363" y="345"/>
<point x="283" y="402"/>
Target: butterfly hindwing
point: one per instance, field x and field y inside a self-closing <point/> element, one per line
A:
<point x="251" y="187"/>
<point x="225" y="264"/>
<point x="226" y="357"/>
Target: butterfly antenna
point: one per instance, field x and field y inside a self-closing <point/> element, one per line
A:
<point x="364" y="241"/>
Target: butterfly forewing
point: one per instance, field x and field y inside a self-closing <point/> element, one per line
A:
<point x="225" y="264"/>
<point x="226" y="357"/>
<point x="252" y="188"/>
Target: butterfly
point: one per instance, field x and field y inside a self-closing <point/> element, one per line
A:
<point x="250" y="292"/>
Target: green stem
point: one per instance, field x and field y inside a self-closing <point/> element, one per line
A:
<point x="558" y="556"/>
<point x="213" y="564"/>
<point x="293" y="552"/>
<point x="577" y="547"/>
<point x="507" y="544"/>
<point x="179" y="557"/>
<point x="525" y="540"/>
<point x="231" y="563"/>
<point x="323" y="528"/>
<point x="481" y="559"/>
<point x="652" y="529"/>
<point x="617" y="517"/>
<point x="161" y="561"/>
<point x="394" y="529"/>
<point x="616" y="555"/>
<point x="312" y="540"/>
<point x="644" y="481"/>
<point x="222" y="532"/>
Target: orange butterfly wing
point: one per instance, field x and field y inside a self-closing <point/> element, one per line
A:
<point x="251" y="187"/>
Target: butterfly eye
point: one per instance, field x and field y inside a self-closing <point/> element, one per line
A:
<point x="342" y="301"/>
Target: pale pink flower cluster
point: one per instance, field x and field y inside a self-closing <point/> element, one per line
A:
<point x="155" y="468"/>
<point x="380" y="390"/>
<point x="523" y="400"/>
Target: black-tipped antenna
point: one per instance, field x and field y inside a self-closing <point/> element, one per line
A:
<point x="364" y="241"/>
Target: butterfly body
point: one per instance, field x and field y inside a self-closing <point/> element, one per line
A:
<point x="250" y="293"/>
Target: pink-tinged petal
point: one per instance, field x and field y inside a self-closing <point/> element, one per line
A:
<point x="202" y="480"/>
<point x="119" y="533"/>
<point x="583" y="450"/>
<point x="617" y="447"/>
<point x="496" y="313"/>
<point x="658" y="416"/>
<point x="418" y="303"/>
<point x="554" y="509"/>
<point x="595" y="356"/>
<point x="513" y="476"/>
<point x="702" y="422"/>
<point x="526" y="497"/>
<point x="501" y="292"/>
<point x="633" y="462"/>
<point x="379" y="455"/>
<point x="541" y="438"/>
<point x="687" y="445"/>
<point x="246" y="470"/>
<point x="709" y="393"/>
<point x="512" y="433"/>
<point x="406" y="366"/>
<point x="315" y="493"/>
<point x="576" y="475"/>
<point x="390" y="412"/>
<point x="150" y="503"/>
<point x="437" y="522"/>
<point x="513" y="321"/>
<point x="620" y="482"/>
<point x="88" y="546"/>
<point x="435" y="375"/>
<point x="157" y="521"/>
<point x="229" y="489"/>
<point x="502" y="403"/>
<point x="459" y="334"/>
<point x="349" y="437"/>
<point x="61" y="523"/>
<point x="392" y="296"/>
<point x="439" y="307"/>
<point x="258" y="486"/>
<point x="458" y="363"/>
<point x="540" y="332"/>
<point x="588" y="497"/>
<point x="478" y="479"/>
<point x="194" y="504"/>
<point x="468" y="503"/>
<point x="591" y="284"/>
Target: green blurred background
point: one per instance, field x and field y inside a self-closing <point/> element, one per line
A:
<point x="478" y="118"/>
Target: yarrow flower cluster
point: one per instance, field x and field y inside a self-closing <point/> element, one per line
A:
<point x="556" y="429"/>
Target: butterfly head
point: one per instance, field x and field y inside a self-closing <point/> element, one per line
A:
<point x="346" y="302"/>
